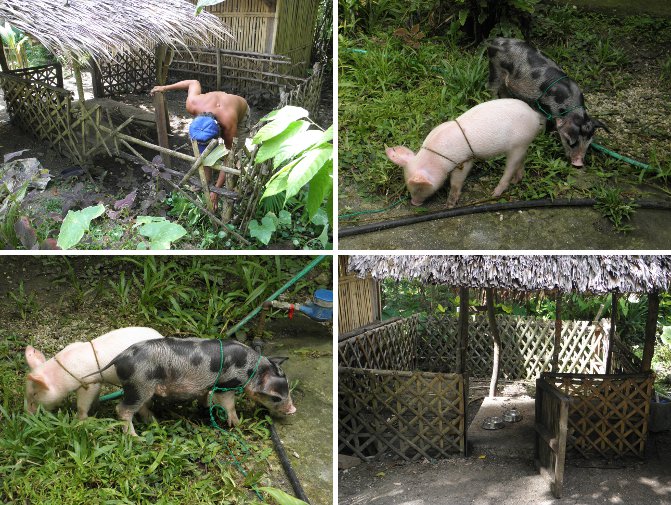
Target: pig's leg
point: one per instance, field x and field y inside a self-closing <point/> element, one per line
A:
<point x="85" y="398"/>
<point x="457" y="178"/>
<point x="146" y="414"/>
<point x="134" y="399"/>
<point x="227" y="400"/>
<point x="514" y="164"/>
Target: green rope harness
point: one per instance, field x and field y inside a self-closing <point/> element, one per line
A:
<point x="221" y="413"/>
<point x="354" y="214"/>
<point x="549" y="115"/>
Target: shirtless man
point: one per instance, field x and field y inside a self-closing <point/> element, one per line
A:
<point x="231" y="112"/>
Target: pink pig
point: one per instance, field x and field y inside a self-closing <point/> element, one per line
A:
<point x="49" y="382"/>
<point x="505" y="126"/>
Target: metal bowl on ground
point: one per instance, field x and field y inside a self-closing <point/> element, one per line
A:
<point x="493" y="423"/>
<point x="512" y="416"/>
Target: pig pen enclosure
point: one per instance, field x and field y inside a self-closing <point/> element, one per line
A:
<point x="406" y="385"/>
<point x="114" y="144"/>
<point x="54" y="457"/>
<point x="417" y="67"/>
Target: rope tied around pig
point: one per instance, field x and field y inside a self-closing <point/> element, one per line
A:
<point x="474" y="157"/>
<point x="221" y="412"/>
<point x="547" y="114"/>
<point x="84" y="385"/>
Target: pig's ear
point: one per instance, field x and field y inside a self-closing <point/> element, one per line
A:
<point x="38" y="380"/>
<point x="418" y="180"/>
<point x="278" y="360"/>
<point x="599" y="124"/>
<point x="400" y="155"/>
<point x="34" y="357"/>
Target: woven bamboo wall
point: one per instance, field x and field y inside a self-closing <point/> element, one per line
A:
<point x="295" y="31"/>
<point x="358" y="299"/>
<point x="127" y="74"/>
<point x="527" y="346"/>
<point x="280" y="27"/>
<point x="385" y="405"/>
<point x="608" y="415"/>
<point x="51" y="74"/>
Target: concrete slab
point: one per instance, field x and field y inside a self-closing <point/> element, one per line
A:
<point x="514" y="439"/>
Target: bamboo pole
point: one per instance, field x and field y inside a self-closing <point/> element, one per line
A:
<point x="160" y="116"/>
<point x="218" y="68"/>
<point x="463" y="330"/>
<point x="201" y="170"/>
<point x="650" y="331"/>
<point x="611" y="333"/>
<point x="496" y="340"/>
<point x="558" y="329"/>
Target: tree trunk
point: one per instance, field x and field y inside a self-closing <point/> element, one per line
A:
<point x="611" y="335"/>
<point x="496" y="340"/>
<point x="650" y="331"/>
<point x="558" y="329"/>
<point x="3" y="61"/>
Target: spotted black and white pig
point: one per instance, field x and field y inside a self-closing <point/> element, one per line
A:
<point x="518" y="70"/>
<point x="186" y="369"/>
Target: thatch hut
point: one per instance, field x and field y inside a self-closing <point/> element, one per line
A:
<point x="403" y="386"/>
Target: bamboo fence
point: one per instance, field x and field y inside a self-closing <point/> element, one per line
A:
<point x="128" y="73"/>
<point x="608" y="414"/>
<point x="283" y="27"/>
<point x="359" y="299"/>
<point x="386" y="404"/>
<point x="51" y="74"/>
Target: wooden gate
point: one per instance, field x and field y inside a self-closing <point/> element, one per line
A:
<point x="551" y="429"/>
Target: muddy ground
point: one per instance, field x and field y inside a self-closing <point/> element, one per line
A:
<point x="57" y="315"/>
<point x="494" y="476"/>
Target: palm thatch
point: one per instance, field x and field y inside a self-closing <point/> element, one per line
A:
<point x="591" y="274"/>
<point x="103" y="28"/>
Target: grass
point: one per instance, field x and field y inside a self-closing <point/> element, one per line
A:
<point x="394" y="94"/>
<point x="55" y="458"/>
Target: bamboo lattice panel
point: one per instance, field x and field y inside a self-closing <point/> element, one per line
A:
<point x="128" y="74"/>
<point x="51" y="74"/>
<point x="527" y="346"/>
<point x="43" y="111"/>
<point x="308" y="93"/>
<point x="238" y="72"/>
<point x="411" y="415"/>
<point x="608" y="415"/>
<point x="388" y="347"/>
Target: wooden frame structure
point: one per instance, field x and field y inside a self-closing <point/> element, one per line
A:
<point x="601" y="414"/>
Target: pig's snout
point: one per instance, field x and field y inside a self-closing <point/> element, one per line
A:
<point x="416" y="203"/>
<point x="291" y="409"/>
<point x="577" y="162"/>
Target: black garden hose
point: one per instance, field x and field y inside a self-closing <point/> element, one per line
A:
<point x="491" y="207"/>
<point x="286" y="464"/>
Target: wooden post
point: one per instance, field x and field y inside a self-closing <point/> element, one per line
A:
<point x="78" y="79"/>
<point x="218" y="69"/>
<point x="558" y="329"/>
<point x="201" y="171"/>
<point x="496" y="339"/>
<point x="160" y="115"/>
<point x="3" y="60"/>
<point x="59" y="75"/>
<point x="463" y="330"/>
<point x="650" y="331"/>
<point x="611" y="333"/>
<point x="161" y="107"/>
<point x="96" y="80"/>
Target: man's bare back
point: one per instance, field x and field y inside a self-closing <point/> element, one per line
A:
<point x="228" y="110"/>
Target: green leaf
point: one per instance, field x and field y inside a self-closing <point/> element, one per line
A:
<point x="215" y="155"/>
<point x="262" y="232"/>
<point x="276" y="186"/>
<point x="463" y="14"/>
<point x="281" y="497"/>
<point x="306" y="169"/>
<point x="324" y="236"/>
<point x="320" y="186"/>
<point x="205" y="3"/>
<point x="328" y="135"/>
<point x="290" y="112"/>
<point x="272" y="146"/>
<point x="320" y="218"/>
<point x="297" y="145"/>
<point x="160" y="232"/>
<point x="284" y="218"/>
<point x="282" y="119"/>
<point x="75" y="224"/>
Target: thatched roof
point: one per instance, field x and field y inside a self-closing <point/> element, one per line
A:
<point x="103" y="28"/>
<point x="593" y="274"/>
